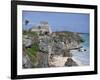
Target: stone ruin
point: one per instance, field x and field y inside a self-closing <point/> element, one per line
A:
<point x="52" y="44"/>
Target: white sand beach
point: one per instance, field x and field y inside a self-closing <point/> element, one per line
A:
<point x="59" y="61"/>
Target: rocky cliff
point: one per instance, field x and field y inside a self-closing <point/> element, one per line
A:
<point x="40" y="49"/>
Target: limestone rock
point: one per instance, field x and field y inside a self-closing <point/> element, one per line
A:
<point x="70" y="62"/>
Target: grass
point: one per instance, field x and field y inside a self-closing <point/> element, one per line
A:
<point x="32" y="52"/>
<point x="34" y="49"/>
<point x="29" y="33"/>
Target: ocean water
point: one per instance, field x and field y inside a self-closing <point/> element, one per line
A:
<point x="83" y="57"/>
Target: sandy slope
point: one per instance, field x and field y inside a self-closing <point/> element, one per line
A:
<point x="59" y="61"/>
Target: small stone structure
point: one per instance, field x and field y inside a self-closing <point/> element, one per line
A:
<point x="43" y="27"/>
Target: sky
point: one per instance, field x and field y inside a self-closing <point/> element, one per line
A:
<point x="58" y="21"/>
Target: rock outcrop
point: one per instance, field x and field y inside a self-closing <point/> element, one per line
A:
<point x="70" y="62"/>
<point x="51" y="45"/>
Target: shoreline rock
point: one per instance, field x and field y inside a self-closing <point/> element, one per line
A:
<point x="70" y="62"/>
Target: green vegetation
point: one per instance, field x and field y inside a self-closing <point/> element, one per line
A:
<point x="70" y="36"/>
<point x="32" y="53"/>
<point x="30" y="33"/>
<point x="33" y="33"/>
<point x="34" y="49"/>
<point x="24" y="32"/>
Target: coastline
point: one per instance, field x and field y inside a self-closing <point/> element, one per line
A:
<point x="59" y="61"/>
<point x="59" y="48"/>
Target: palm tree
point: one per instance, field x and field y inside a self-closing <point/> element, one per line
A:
<point x="26" y="22"/>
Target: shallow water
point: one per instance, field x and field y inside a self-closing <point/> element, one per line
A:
<point x="83" y="57"/>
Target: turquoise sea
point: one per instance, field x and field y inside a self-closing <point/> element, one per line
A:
<point x="83" y="57"/>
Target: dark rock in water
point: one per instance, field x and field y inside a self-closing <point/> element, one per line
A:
<point x="84" y="49"/>
<point x="79" y="50"/>
<point x="70" y="62"/>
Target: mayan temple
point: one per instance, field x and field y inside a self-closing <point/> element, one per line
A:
<point x="42" y="27"/>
